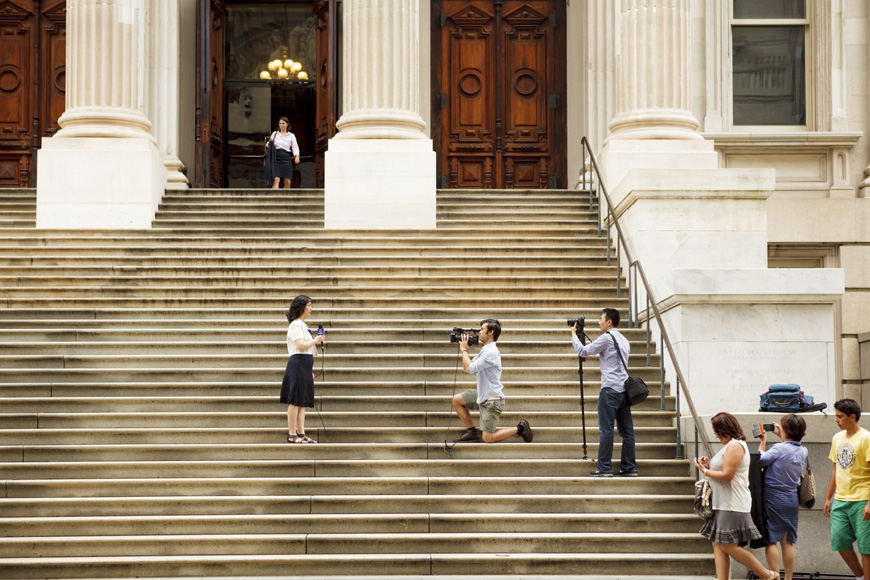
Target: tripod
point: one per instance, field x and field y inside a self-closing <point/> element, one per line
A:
<point x="582" y="336"/>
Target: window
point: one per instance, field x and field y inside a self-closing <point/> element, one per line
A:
<point x="769" y="62"/>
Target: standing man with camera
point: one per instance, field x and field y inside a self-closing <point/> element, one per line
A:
<point x="613" y="405"/>
<point x="488" y="396"/>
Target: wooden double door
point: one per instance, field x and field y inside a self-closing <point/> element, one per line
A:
<point x="499" y="78"/>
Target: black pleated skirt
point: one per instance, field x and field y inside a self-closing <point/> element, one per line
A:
<point x="297" y="388"/>
<point x="283" y="164"/>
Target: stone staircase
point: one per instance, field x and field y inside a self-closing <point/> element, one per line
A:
<point x="141" y="433"/>
<point x="17" y="208"/>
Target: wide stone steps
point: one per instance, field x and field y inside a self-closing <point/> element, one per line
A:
<point x="17" y="208"/>
<point x="141" y="436"/>
<point x="376" y="564"/>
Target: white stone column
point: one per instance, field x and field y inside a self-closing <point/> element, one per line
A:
<point x="653" y="81"/>
<point x="380" y="166"/>
<point x="163" y="101"/>
<point x="102" y="169"/>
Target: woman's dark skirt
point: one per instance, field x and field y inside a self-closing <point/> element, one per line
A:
<point x="297" y="388"/>
<point x="726" y="527"/>
<point x="782" y="514"/>
<point x="283" y="164"/>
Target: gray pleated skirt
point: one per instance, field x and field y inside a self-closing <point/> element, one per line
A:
<point x="730" y="527"/>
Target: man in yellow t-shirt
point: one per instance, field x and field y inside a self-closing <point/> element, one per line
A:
<point x="850" y="510"/>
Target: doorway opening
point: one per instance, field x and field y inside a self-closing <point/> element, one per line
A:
<point x="270" y="73"/>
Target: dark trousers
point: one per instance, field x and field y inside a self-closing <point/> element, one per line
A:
<point x="614" y="407"/>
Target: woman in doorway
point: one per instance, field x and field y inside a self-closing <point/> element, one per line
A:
<point x="297" y="388"/>
<point x="285" y="144"/>
<point x="728" y="472"/>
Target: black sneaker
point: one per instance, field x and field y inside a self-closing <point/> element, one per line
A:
<point x="470" y="436"/>
<point x="627" y="473"/>
<point x="598" y="473"/>
<point x="527" y="431"/>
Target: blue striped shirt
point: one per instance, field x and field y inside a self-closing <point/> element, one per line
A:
<point x="487" y="366"/>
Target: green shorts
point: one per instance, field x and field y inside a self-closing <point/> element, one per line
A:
<point x="848" y="525"/>
<point x="490" y="411"/>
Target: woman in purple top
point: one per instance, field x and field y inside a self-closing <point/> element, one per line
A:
<point x="785" y="463"/>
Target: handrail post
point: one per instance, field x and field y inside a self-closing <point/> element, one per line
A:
<point x="648" y="336"/>
<point x="679" y="442"/>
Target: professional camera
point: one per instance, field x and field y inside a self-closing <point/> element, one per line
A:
<point x="580" y="321"/>
<point x="473" y="338"/>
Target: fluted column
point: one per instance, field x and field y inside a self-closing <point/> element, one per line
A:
<point x="102" y="170"/>
<point x="105" y="72"/>
<point x="381" y="71"/>
<point x="653" y="76"/>
<point x="163" y="99"/>
<point x="379" y="169"/>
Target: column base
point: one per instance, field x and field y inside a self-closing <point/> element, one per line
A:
<point x="98" y="183"/>
<point x="386" y="184"/>
<point x="175" y="179"/>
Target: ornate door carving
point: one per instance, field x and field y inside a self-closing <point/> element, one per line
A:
<point x="32" y="83"/>
<point x="499" y="117"/>
<point x="327" y="12"/>
<point x="210" y="64"/>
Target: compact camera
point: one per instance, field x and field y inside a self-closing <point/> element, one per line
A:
<point x="757" y="429"/>
<point x="580" y="321"/>
<point x="473" y="338"/>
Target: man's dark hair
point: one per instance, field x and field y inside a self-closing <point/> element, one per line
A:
<point x="611" y="314"/>
<point x="493" y="325"/>
<point x="794" y="427"/>
<point x="848" y="407"/>
<point x="297" y="307"/>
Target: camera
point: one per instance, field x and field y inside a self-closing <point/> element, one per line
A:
<point x="580" y="321"/>
<point x="758" y="427"/>
<point x="473" y="338"/>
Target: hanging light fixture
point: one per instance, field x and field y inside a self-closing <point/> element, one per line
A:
<point x="283" y="69"/>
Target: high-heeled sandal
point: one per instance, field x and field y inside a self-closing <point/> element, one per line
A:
<point x="295" y="439"/>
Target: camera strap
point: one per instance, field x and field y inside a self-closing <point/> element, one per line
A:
<point x="617" y="350"/>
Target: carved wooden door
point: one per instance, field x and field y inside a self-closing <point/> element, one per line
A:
<point x="327" y="12"/>
<point x="210" y="64"/>
<point x="32" y="83"/>
<point x="500" y="93"/>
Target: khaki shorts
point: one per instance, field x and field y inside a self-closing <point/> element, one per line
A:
<point x="490" y="410"/>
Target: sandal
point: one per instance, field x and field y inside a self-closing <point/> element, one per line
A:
<point x="305" y="438"/>
<point x="295" y="439"/>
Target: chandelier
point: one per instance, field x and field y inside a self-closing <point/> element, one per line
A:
<point x="283" y="69"/>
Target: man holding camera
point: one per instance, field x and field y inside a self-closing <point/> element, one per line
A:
<point x="488" y="395"/>
<point x="613" y="402"/>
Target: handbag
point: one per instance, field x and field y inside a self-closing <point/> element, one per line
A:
<point x="635" y="388"/>
<point x="807" y="488"/>
<point x="703" y="507"/>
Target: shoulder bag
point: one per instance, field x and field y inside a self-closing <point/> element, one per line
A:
<point x="703" y="507"/>
<point x="807" y="488"/>
<point x="635" y="388"/>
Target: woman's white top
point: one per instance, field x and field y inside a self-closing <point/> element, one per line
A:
<point x="297" y="330"/>
<point x="287" y="142"/>
<point x="732" y="496"/>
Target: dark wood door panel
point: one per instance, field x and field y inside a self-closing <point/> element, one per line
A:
<point x="500" y="83"/>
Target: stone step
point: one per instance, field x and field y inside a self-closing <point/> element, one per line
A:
<point x="360" y="489"/>
<point x="541" y="420"/>
<point x="426" y="306"/>
<point x="282" y="468"/>
<point x="14" y="317"/>
<point x="250" y="523"/>
<point x="378" y="563"/>
<point x="312" y="543"/>
<point x="264" y="403"/>
<point x="151" y="392"/>
<point x="431" y="363"/>
<point x="616" y="510"/>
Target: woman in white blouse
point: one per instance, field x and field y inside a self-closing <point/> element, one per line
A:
<point x="285" y="144"/>
<point x="297" y="388"/>
<point x="731" y="524"/>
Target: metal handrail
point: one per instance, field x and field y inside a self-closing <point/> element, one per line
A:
<point x="651" y="301"/>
